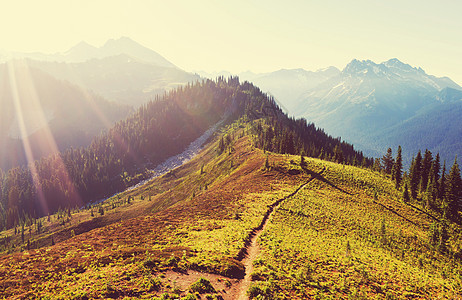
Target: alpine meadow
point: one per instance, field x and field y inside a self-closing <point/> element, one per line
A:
<point x="221" y="168"/>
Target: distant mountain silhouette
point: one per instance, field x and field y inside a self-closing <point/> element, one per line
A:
<point x="120" y="78"/>
<point x="84" y="51"/>
<point x="52" y="114"/>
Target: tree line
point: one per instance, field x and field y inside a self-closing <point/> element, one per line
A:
<point x="297" y="136"/>
<point x="427" y="182"/>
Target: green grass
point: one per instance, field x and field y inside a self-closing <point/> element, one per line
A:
<point x="346" y="235"/>
<point x="333" y="241"/>
<point x="164" y="227"/>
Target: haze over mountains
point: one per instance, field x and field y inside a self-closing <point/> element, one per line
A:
<point x="374" y="106"/>
<point x="119" y="78"/>
<point x="121" y="70"/>
<point x="48" y="114"/>
<point x="84" y="51"/>
<point x="65" y="97"/>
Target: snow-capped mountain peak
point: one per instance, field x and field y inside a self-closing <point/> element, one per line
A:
<point x="363" y="68"/>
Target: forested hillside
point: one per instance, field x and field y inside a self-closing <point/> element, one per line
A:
<point x="157" y="130"/>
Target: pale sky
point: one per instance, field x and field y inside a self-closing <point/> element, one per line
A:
<point x="239" y="35"/>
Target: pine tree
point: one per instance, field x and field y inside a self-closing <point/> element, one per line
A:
<point x="415" y="174"/>
<point x="435" y="171"/>
<point x="338" y="154"/>
<point x="387" y="161"/>
<point x="377" y="167"/>
<point x="432" y="190"/>
<point x="397" y="169"/>
<point x="434" y="235"/>
<point x="425" y="172"/>
<point x="430" y="194"/>
<point x="405" y="193"/>
<point x="454" y="191"/>
<point x="442" y="183"/>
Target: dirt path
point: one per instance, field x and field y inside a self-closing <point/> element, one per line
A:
<point x="251" y="251"/>
<point x="232" y="289"/>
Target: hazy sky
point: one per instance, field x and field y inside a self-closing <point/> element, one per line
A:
<point x="249" y="35"/>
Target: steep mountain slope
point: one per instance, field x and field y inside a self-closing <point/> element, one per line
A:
<point x="366" y="99"/>
<point x="50" y="115"/>
<point x="336" y="231"/>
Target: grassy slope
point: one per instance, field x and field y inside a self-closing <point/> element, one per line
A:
<point x="190" y="219"/>
<point x="345" y="243"/>
<point x="174" y="231"/>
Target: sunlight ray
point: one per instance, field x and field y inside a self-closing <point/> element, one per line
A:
<point x="26" y="96"/>
<point x="22" y="128"/>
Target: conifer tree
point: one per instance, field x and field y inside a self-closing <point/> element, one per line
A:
<point x="377" y="166"/>
<point x="454" y="191"/>
<point x="425" y="172"/>
<point x="432" y="190"/>
<point x="415" y="174"/>
<point x="442" y="183"/>
<point x="397" y="169"/>
<point x="430" y="194"/>
<point x="435" y="171"/>
<point x="434" y="234"/>
<point x="338" y="154"/>
<point x="387" y="161"/>
<point x="405" y="193"/>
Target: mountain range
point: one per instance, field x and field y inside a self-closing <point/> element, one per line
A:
<point x="373" y="105"/>
<point x="376" y="106"/>
<point x="65" y="98"/>
<point x="121" y="70"/>
<point x="83" y="52"/>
